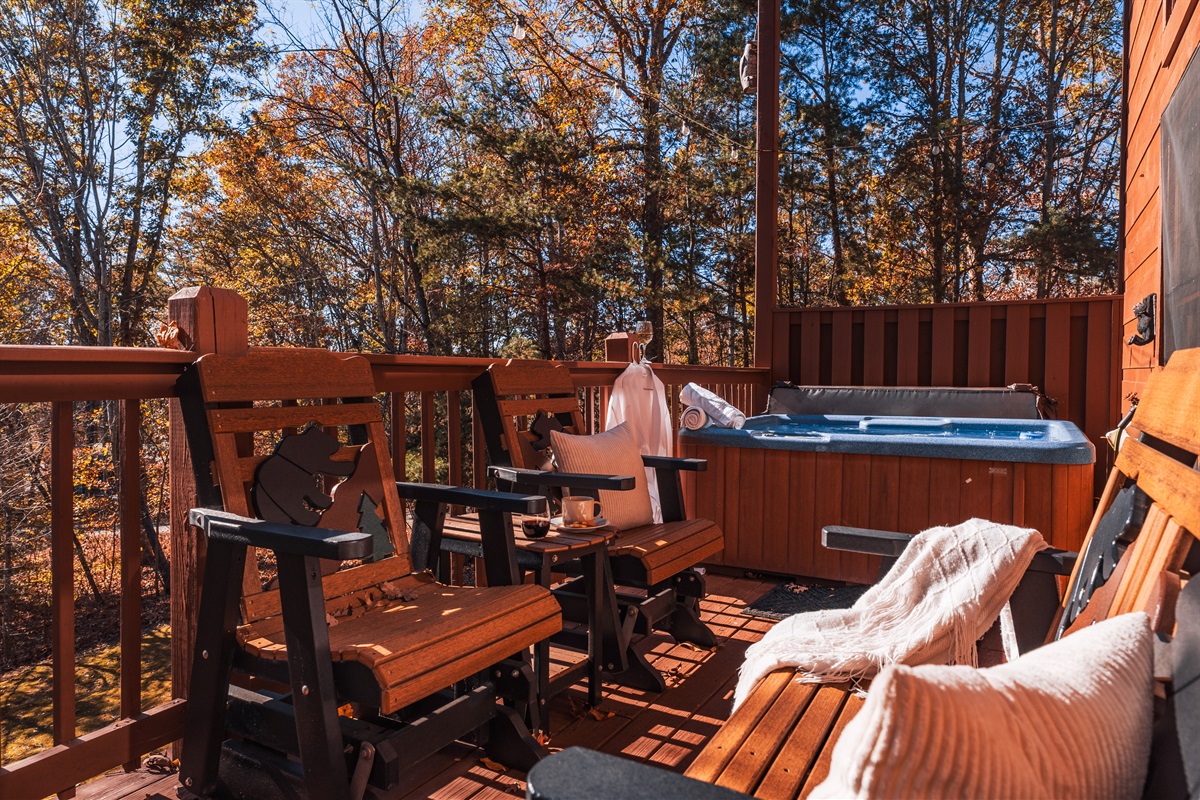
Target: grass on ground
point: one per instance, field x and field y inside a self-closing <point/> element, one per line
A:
<point x="26" y="694"/>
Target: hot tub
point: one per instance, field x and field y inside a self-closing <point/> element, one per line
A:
<point x="774" y="484"/>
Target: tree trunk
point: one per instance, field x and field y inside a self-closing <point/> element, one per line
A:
<point x="1049" y="150"/>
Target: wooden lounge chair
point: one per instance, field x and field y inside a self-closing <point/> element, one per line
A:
<point x="384" y="664"/>
<point x="779" y="741"/>
<point x="653" y="563"/>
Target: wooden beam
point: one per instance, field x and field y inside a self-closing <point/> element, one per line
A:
<point x="62" y="569"/>
<point x="131" y="564"/>
<point x="210" y="320"/>
<point x="766" y="182"/>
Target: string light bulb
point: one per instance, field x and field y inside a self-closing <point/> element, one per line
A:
<point x="518" y="32"/>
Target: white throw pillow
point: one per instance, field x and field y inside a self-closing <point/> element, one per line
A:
<point x="1070" y="719"/>
<point x="614" y="452"/>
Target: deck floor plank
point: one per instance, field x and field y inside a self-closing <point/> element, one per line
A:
<point x="666" y="729"/>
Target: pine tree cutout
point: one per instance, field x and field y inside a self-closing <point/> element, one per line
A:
<point x="370" y="522"/>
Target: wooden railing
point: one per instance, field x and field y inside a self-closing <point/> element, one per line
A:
<point x="66" y="377"/>
<point x="1068" y="348"/>
<point x="419" y="387"/>
<point x="432" y="395"/>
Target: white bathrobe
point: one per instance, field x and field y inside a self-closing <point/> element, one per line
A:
<point x="640" y="399"/>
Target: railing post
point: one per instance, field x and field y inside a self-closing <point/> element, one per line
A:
<point x="621" y="347"/>
<point x="210" y="320"/>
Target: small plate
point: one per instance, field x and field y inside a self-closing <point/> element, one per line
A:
<point x="557" y="522"/>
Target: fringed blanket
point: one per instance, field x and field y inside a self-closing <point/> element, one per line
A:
<point x="943" y="593"/>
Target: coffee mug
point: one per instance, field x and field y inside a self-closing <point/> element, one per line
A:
<point x="578" y="508"/>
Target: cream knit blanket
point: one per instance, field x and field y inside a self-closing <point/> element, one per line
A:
<point x="947" y="588"/>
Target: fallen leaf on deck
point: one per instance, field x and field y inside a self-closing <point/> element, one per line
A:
<point x="330" y="620"/>
<point x="494" y="766"/>
<point x="158" y="763"/>
<point x="601" y="715"/>
<point x="542" y="738"/>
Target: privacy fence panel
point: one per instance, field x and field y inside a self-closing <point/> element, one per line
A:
<point x="1067" y="348"/>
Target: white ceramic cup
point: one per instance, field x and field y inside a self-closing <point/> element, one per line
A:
<point x="578" y="508"/>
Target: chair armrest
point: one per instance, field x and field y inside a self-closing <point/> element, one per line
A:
<point x="1054" y="561"/>
<point x="483" y="499"/>
<point x="679" y="464"/>
<point x="890" y="544"/>
<point x="563" y="480"/>
<point x="864" y="540"/>
<point x="580" y="774"/>
<point x="1034" y="602"/>
<point x="299" y="540"/>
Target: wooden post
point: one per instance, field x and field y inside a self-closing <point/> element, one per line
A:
<point x="62" y="569"/>
<point x="210" y="320"/>
<point x="766" y="184"/>
<point x="621" y="347"/>
<point x="131" y="564"/>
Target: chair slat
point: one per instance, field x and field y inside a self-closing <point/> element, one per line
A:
<point x="728" y="739"/>
<point x="833" y="706"/>
<point x="668" y="547"/>
<point x="1174" y="486"/>
<point x="762" y="747"/>
<point x="251" y="420"/>
<point x="538" y="621"/>
<point x="1169" y="408"/>
<point x="1168" y="557"/>
<point x="260" y="604"/>
<point x="820" y="770"/>
<point x="1143" y="550"/>
<point x="531" y="377"/>
<point x="284" y="374"/>
<point x="531" y="406"/>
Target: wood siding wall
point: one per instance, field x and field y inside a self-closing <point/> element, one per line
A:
<point x="1160" y="43"/>
<point x="1068" y="348"/>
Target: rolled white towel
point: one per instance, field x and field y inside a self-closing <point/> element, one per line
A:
<point x="718" y="410"/>
<point x="694" y="418"/>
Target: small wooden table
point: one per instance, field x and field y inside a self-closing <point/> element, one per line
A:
<point x="589" y="597"/>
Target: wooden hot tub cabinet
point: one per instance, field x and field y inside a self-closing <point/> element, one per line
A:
<point x="772" y="503"/>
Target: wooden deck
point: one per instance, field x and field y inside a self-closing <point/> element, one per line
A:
<point x="667" y="729"/>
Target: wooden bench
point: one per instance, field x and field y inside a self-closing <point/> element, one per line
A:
<point x="384" y="664"/>
<point x="778" y="743"/>
<point x="656" y="562"/>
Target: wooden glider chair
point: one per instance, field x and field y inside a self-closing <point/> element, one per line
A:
<point x="1141" y="548"/>
<point x="517" y="404"/>
<point x="384" y="664"/>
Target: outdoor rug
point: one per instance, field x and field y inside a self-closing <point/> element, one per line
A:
<point x="794" y="598"/>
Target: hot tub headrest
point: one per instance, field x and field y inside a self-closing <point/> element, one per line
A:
<point x="1019" y="401"/>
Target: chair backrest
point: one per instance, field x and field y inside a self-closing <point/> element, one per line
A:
<point x="292" y="435"/>
<point x="517" y="403"/>
<point x="1162" y="459"/>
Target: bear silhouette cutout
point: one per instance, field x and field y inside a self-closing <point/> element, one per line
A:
<point x="288" y="486"/>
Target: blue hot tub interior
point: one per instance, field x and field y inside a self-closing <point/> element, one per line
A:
<point x="1021" y="440"/>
